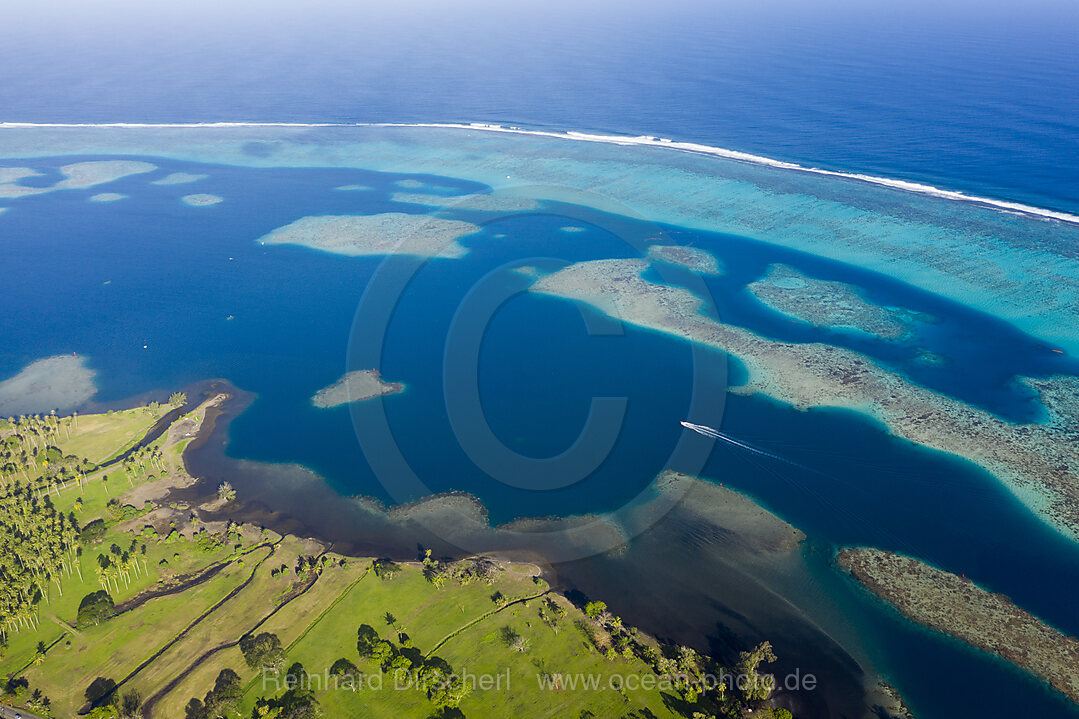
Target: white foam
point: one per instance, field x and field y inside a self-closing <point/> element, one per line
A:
<point x="640" y="140"/>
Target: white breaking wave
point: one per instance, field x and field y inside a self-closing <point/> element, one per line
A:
<point x="641" y="140"/>
<point x="26" y="125"/>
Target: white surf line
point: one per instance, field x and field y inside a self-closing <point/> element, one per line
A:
<point x="697" y="148"/>
<point x="642" y="140"/>
<point x="30" y="125"/>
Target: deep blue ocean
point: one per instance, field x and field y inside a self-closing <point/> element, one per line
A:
<point x="979" y="98"/>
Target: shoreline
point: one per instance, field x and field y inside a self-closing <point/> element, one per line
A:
<point x="450" y="524"/>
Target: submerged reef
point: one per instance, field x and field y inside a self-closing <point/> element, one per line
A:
<point x="14" y="174"/>
<point x="482" y="203"/>
<point x="107" y="197"/>
<point x="1038" y="462"/>
<point x="201" y="200"/>
<point x="828" y="304"/>
<point x="387" y="233"/>
<point x="179" y="178"/>
<point x="77" y="176"/>
<point x="960" y="608"/>
<point x="61" y="383"/>
<point x="355" y="387"/>
<point x="692" y="258"/>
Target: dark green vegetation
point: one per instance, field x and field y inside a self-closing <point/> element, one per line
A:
<point x="95" y="608"/>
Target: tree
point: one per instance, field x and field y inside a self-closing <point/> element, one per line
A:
<point x="227" y="692"/>
<point x="757" y="686"/>
<point x="384" y="568"/>
<point x="595" y="609"/>
<point x="383" y="653"/>
<point x="99" y="691"/>
<point x="366" y="639"/>
<point x="263" y="651"/>
<point x="225" y="492"/>
<point x="196" y="710"/>
<point x="93" y="532"/>
<point x="95" y="608"/>
<point x="177" y="399"/>
<point x="343" y="667"/>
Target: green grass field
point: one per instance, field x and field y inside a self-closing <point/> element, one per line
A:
<point x="99" y="437"/>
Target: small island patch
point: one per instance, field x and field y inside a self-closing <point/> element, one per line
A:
<point x="692" y="258"/>
<point x="388" y="233"/>
<point x="14" y="174"/>
<point x="201" y="200"/>
<point x="78" y="176"/>
<point x="826" y="303"/>
<point x="355" y="387"/>
<point x="179" y="178"/>
<point x="107" y="197"/>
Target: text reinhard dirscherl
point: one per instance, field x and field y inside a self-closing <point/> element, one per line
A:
<point x="399" y="680"/>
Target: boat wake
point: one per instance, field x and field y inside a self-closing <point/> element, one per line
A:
<point x="716" y="434"/>
<point x="641" y="140"/>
